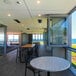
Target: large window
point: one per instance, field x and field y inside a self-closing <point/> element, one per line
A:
<point x="1" y="36"/>
<point x="13" y="38"/>
<point x="37" y="37"/>
<point x="73" y="38"/>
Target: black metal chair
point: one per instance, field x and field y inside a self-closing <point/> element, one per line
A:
<point x="36" y="50"/>
<point x="28" y="57"/>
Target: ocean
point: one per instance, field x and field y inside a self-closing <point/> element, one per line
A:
<point x="73" y="41"/>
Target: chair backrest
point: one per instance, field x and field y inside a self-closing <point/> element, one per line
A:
<point x="30" y="52"/>
<point x="36" y="51"/>
<point x="28" y="55"/>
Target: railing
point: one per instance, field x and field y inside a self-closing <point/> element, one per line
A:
<point x="72" y="50"/>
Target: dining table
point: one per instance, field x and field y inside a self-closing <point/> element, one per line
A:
<point x="50" y="64"/>
<point x="28" y="46"/>
<point x="25" y="49"/>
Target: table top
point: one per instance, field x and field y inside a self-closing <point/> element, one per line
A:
<point x="28" y="46"/>
<point x="50" y="63"/>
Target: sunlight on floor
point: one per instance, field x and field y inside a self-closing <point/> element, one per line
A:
<point x="41" y="43"/>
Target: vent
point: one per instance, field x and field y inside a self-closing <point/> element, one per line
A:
<point x="17" y="20"/>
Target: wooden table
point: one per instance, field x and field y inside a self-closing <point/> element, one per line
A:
<point x="50" y="64"/>
<point x="28" y="46"/>
<point x="24" y="50"/>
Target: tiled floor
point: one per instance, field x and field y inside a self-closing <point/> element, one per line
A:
<point x="9" y="67"/>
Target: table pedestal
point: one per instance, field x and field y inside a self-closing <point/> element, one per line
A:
<point x="48" y="73"/>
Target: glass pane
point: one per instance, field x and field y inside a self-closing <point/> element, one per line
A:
<point x="41" y="36"/>
<point x="16" y="38"/>
<point x="36" y="36"/>
<point x="58" y="31"/>
<point x="33" y="36"/>
<point x="1" y="37"/>
<point x="10" y="37"/>
<point x="73" y="54"/>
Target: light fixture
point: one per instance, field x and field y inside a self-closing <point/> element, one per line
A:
<point x="9" y="14"/>
<point x="39" y="20"/>
<point x="39" y="15"/>
<point x="38" y="1"/>
<point x="18" y="2"/>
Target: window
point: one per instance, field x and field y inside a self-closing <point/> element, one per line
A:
<point x="10" y="37"/>
<point x="41" y="36"/>
<point x="73" y="40"/>
<point x="13" y="38"/>
<point x="1" y="37"/>
<point x="37" y="37"/>
<point x="58" y="31"/>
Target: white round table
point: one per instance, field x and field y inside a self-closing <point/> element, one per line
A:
<point x="50" y="64"/>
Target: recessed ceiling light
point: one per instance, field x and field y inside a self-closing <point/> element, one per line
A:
<point x="39" y="15"/>
<point x="9" y="15"/>
<point x="38" y="1"/>
<point x="22" y="24"/>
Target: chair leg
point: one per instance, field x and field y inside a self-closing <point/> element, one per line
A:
<point x="17" y="56"/>
<point x="34" y="73"/>
<point x="25" y="71"/>
<point x="38" y="73"/>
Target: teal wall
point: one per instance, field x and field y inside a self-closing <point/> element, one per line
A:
<point x="24" y="38"/>
<point x="3" y="30"/>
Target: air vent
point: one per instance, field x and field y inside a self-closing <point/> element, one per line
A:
<point x="17" y="20"/>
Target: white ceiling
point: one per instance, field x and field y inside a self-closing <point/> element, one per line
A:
<point x="27" y="12"/>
